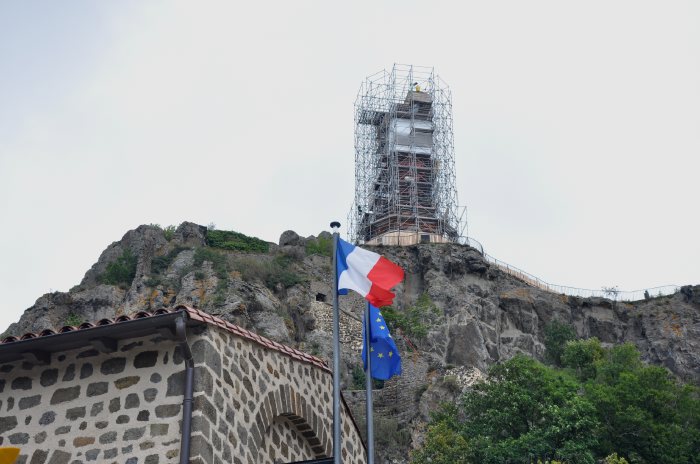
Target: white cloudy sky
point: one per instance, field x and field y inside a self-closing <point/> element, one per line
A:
<point x="577" y="127"/>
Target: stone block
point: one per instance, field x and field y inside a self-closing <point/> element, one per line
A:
<point x="48" y="377"/>
<point x="146" y="359"/>
<point x="132" y="401"/>
<point x="113" y="366"/>
<point x="159" y="429"/>
<point x="19" y="438"/>
<point x="83" y="441"/>
<point x="29" y="401"/>
<point x="126" y="382"/>
<point x="59" y="457"/>
<point x="134" y="433"/>
<point x="22" y="383"/>
<point x="150" y="394"/>
<point x="62" y="395"/>
<point x="7" y="423"/>
<point x="47" y="418"/>
<point x="107" y="438"/>
<point x="86" y="370"/>
<point x="167" y="410"/>
<point x="39" y="457"/>
<point x="75" y="413"/>
<point x="97" y="388"/>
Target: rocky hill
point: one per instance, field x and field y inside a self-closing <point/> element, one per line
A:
<point x="459" y="315"/>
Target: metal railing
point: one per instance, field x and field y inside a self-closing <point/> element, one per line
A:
<point x="612" y="293"/>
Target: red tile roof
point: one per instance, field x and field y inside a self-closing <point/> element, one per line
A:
<point x="192" y="313"/>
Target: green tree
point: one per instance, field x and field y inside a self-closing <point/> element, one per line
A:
<point x="645" y="414"/>
<point x="615" y="459"/>
<point x="556" y="334"/>
<point x="581" y="356"/>
<point x="524" y="411"/>
<point x="444" y="441"/>
<point x="603" y="404"/>
<point x="121" y="271"/>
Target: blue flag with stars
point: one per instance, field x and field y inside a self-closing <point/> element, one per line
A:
<point x="386" y="361"/>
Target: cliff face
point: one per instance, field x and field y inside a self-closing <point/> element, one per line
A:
<point x="478" y="315"/>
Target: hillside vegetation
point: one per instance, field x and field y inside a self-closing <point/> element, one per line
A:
<point x="602" y="403"/>
<point x="456" y="319"/>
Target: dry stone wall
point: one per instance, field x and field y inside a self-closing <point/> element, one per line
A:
<point x="91" y="407"/>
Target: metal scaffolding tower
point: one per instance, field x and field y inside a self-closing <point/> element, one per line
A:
<point x="404" y="160"/>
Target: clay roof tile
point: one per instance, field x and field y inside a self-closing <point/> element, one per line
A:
<point x="192" y="313"/>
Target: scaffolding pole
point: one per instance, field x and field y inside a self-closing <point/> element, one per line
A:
<point x="405" y="189"/>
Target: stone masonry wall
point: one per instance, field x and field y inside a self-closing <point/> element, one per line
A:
<point x="258" y="406"/>
<point x="91" y="407"/>
<point x="350" y="329"/>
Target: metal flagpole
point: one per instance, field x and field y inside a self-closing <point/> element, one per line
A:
<point x="368" y="388"/>
<point x="337" y="444"/>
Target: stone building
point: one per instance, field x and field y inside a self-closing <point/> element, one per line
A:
<point x="163" y="387"/>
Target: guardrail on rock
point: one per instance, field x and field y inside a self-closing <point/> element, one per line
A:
<point x="611" y="293"/>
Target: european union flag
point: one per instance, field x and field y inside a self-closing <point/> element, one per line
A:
<point x="386" y="361"/>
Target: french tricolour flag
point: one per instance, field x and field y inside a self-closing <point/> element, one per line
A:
<point x="369" y="274"/>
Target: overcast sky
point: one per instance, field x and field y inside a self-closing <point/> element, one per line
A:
<point x="576" y="125"/>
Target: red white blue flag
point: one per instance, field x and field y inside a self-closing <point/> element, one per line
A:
<point x="368" y="273"/>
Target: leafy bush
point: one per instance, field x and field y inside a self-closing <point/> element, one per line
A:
<point x="614" y="459"/>
<point x="390" y="435"/>
<point x="320" y="246"/>
<point x="415" y="320"/>
<point x="160" y="264"/>
<point x="556" y="334"/>
<point x="122" y="271"/>
<point x="280" y="273"/>
<point x="359" y="378"/>
<point x="169" y="232"/>
<point x="581" y="356"/>
<point x="230" y="240"/>
<point x="217" y="260"/>
<point x="73" y="319"/>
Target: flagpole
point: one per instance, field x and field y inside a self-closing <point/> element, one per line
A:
<point x="337" y="444"/>
<point x="368" y="388"/>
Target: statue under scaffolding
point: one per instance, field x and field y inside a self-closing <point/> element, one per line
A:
<point x="404" y="161"/>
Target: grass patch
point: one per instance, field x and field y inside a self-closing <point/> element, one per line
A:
<point x="153" y="281"/>
<point x="230" y="240"/>
<point x="73" y="319"/>
<point x="272" y="273"/>
<point x="221" y="268"/>
<point x="320" y="246"/>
